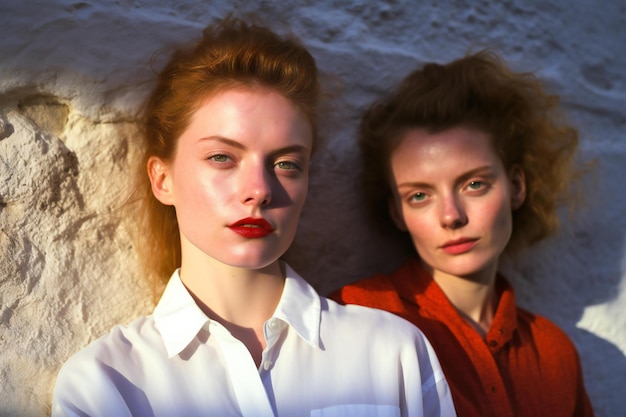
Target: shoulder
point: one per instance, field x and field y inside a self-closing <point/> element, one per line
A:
<point x="389" y="343"/>
<point x="121" y="348"/>
<point x="106" y="366"/>
<point x="549" y="338"/>
<point x="377" y="291"/>
<point x="556" y="357"/>
<point x="373" y="325"/>
<point x="540" y="325"/>
<point x="395" y="351"/>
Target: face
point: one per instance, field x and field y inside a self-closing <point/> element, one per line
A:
<point x="238" y="179"/>
<point x="454" y="197"/>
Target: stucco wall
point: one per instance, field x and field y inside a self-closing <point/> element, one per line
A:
<point x="72" y="74"/>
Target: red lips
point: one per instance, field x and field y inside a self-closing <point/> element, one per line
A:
<point x="252" y="228"/>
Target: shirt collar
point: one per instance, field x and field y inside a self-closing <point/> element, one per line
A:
<point x="300" y="307"/>
<point x="179" y="319"/>
<point x="421" y="289"/>
<point x="177" y="316"/>
<point x="505" y="320"/>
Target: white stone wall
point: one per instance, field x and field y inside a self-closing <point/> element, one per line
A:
<point x="72" y="74"/>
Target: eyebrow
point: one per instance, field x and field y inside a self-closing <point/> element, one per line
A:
<point x="223" y="140"/>
<point x="485" y="169"/>
<point x="235" y="144"/>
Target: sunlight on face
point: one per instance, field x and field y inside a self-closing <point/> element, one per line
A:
<point x="239" y="178"/>
<point x="453" y="195"/>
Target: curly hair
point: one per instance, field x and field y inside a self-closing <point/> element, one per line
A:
<point x="479" y="91"/>
<point x="230" y="54"/>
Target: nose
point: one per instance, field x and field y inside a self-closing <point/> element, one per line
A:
<point x="453" y="215"/>
<point x="256" y="186"/>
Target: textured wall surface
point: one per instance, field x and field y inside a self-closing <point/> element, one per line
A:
<point x="72" y="75"/>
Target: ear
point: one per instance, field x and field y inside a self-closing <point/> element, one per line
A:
<point x="517" y="179"/>
<point x="396" y="214"/>
<point x="160" y="179"/>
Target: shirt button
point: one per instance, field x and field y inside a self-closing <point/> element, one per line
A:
<point x="273" y="324"/>
<point x="493" y="343"/>
<point x="267" y="365"/>
<point x="493" y="389"/>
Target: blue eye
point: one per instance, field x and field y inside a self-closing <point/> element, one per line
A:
<point x="418" y="197"/>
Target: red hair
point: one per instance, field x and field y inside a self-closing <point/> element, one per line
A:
<point x="230" y="54"/>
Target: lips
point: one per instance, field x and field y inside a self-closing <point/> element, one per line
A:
<point x="459" y="246"/>
<point x="252" y="228"/>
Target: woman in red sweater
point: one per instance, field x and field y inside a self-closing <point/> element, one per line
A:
<point x="471" y="158"/>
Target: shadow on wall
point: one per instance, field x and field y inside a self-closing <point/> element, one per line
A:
<point x="600" y="277"/>
<point x="577" y="280"/>
<point x="603" y="362"/>
<point x="604" y="366"/>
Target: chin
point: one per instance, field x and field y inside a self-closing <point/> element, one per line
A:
<point x="255" y="255"/>
<point x="254" y="263"/>
<point x="469" y="271"/>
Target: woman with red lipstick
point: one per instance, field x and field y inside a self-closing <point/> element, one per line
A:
<point x="229" y="132"/>
<point x="470" y="159"/>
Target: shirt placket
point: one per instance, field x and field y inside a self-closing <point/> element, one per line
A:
<point x="492" y="382"/>
<point x="484" y="354"/>
<point x="273" y="328"/>
<point x="246" y="382"/>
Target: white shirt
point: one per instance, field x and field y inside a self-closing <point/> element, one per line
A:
<point x="321" y="359"/>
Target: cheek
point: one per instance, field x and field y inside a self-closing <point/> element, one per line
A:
<point x="296" y="191"/>
<point x="302" y="193"/>
<point x="501" y="220"/>
<point x="420" y="227"/>
<point x="200" y="192"/>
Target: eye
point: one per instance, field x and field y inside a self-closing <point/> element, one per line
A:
<point x="288" y="165"/>
<point x="476" y="185"/>
<point x="417" y="197"/>
<point x="219" y="158"/>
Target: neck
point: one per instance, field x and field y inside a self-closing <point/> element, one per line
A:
<point x="240" y="296"/>
<point x="474" y="297"/>
<point x="241" y="299"/>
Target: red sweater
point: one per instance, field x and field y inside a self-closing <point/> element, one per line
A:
<point x="526" y="366"/>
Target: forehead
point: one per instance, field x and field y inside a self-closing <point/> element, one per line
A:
<point x="247" y="110"/>
<point x="456" y="148"/>
<point x="244" y="98"/>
